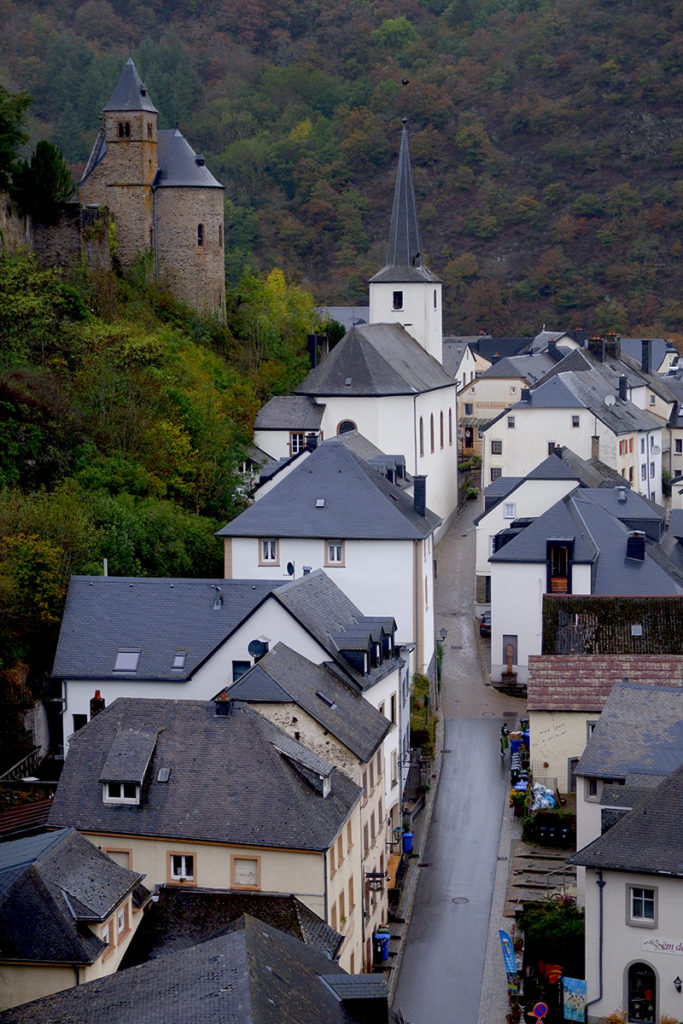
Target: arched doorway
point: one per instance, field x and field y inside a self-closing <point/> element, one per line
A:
<point x="642" y="993"/>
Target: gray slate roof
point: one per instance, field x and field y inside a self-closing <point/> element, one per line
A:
<point x="359" y="503"/>
<point x="234" y="779"/>
<point x="376" y="360"/>
<point x="404" y="250"/>
<point x="290" y="412"/>
<point x="347" y="316"/>
<point x="158" y="617"/>
<point x="130" y="93"/>
<point x="529" y="367"/>
<point x="283" y="676"/>
<point x="178" y="164"/>
<point x="640" y="731"/>
<point x="180" y="918"/>
<point x="647" y="839"/>
<point x="50" y="885"/>
<point x="253" y="975"/>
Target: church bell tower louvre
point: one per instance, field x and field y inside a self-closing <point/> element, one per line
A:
<point x="405" y="291"/>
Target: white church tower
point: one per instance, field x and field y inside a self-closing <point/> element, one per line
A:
<point x="404" y="291"/>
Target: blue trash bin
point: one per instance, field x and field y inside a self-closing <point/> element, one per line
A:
<point x="515" y="745"/>
<point x="408" y="841"/>
<point x="381" y="946"/>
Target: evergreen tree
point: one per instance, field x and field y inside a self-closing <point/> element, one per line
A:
<point x="12" y="110"/>
<point x="42" y="185"/>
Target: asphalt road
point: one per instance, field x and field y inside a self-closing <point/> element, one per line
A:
<point x="442" y="965"/>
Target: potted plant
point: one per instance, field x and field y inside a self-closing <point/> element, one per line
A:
<point x="517" y="800"/>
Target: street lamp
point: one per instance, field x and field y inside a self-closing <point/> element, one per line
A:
<point x="443" y="633"/>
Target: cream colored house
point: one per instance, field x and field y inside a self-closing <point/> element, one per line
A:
<point x="197" y="793"/>
<point x="67" y="914"/>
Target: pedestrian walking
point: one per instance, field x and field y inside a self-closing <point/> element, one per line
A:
<point x="504" y="733"/>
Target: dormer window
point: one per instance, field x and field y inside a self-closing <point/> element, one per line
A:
<point x="127" y="660"/>
<point x="121" y="793"/>
<point x="559" y="556"/>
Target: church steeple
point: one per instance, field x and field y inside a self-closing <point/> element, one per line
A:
<point x="404" y="248"/>
<point x="405" y="291"/>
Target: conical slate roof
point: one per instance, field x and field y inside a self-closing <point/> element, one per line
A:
<point x="130" y="92"/>
<point x="404" y="249"/>
<point x="179" y="165"/>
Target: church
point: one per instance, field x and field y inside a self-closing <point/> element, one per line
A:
<point x="161" y="195"/>
<point x="385" y="379"/>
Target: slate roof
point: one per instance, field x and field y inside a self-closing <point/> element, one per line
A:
<point x="290" y="412"/>
<point x="130" y="93"/>
<point x="178" y="164"/>
<point x="376" y="360"/>
<point x="640" y="731"/>
<point x="253" y="975"/>
<point x="574" y="682"/>
<point x="491" y="348"/>
<point x="601" y="624"/>
<point x="182" y="917"/>
<point x="234" y="779"/>
<point x="359" y="503"/>
<point x="158" y="617"/>
<point x="327" y="613"/>
<point x="453" y="352"/>
<point x="347" y="316"/>
<point x="283" y="676"/>
<point x="647" y="839"/>
<point x="599" y="539"/>
<point x="529" y="367"/>
<point x="659" y="348"/>
<point x="403" y="261"/>
<point x="591" y="472"/>
<point x="50" y="886"/>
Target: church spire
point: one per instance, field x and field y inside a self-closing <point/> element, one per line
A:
<point x="404" y="247"/>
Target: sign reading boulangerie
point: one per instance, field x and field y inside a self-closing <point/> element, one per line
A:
<point x="655" y="945"/>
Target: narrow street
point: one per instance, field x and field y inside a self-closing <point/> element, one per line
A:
<point x="441" y="971"/>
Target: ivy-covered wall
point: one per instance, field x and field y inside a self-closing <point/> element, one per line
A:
<point x="589" y="624"/>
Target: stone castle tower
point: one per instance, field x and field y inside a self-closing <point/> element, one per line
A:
<point x="161" y="195"/>
<point x="404" y="291"/>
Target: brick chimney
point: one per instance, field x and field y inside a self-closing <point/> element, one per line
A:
<point x="97" y="704"/>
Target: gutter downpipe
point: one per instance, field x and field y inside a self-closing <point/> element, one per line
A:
<point x="601" y="883"/>
<point x="325" y="894"/>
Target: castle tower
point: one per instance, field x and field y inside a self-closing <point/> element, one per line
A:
<point x="404" y="291"/>
<point x="124" y="163"/>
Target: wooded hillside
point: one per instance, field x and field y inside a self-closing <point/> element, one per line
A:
<point x="546" y="137"/>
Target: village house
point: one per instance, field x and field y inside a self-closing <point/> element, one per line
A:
<point x="211" y="794"/>
<point x="68" y="913"/>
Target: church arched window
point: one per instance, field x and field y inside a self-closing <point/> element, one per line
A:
<point x="441" y="429"/>
<point x="422" y="437"/>
<point x="345" y="426"/>
<point x="200" y="235"/>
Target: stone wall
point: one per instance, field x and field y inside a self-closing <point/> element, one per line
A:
<point x="196" y="272"/>
<point x="15" y="231"/>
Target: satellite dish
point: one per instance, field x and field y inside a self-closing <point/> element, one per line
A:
<point x="290" y="568"/>
<point x="256" y="649"/>
<point x="656" y="450"/>
<point x="609" y="401"/>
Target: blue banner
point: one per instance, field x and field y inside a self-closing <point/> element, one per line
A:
<point x="574" y="998"/>
<point x="508" y="953"/>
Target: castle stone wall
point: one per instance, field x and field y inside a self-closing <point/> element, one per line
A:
<point x="196" y="272"/>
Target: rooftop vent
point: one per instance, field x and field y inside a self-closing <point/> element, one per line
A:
<point x="326" y="700"/>
<point x="320" y="503"/>
<point x="199" y="160"/>
<point x="218" y="600"/>
<point x="621" y="494"/>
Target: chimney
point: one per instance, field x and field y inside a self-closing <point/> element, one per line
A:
<point x="97" y="704"/>
<point x="623" y="388"/>
<point x="420" y="495"/>
<point x="580" y="337"/>
<point x="224" y="707"/>
<point x="313" y="350"/>
<point x="635" y="546"/>
<point x="311" y="442"/>
<point x="646" y="355"/>
<point x="621" y="494"/>
<point x="595" y="446"/>
<point x="526" y="394"/>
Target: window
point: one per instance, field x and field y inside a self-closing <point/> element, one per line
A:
<point x="269" y="551"/>
<point x="511" y="422"/>
<point x="422" y="437"/>
<point x="373" y="829"/>
<point x="349" y="836"/>
<point x="394" y="768"/>
<point x="496" y="447"/>
<point x="643" y="472"/>
<point x="630" y="474"/>
<point x="220" y="236"/>
<point x="379" y="764"/>
<point x="333" y="862"/>
<point x="642" y="445"/>
<point x="642" y="993"/>
<point x="342" y="908"/>
<point x="352" y="900"/>
<point x="246" y="872"/>
<point x="297" y="442"/>
<point x="239" y="668"/>
<point x="200" y="235"/>
<point x="678" y="446"/>
<point x="107" y="936"/>
<point x="340" y="849"/>
<point x="79" y="721"/>
<point x="122" y="920"/>
<point x="469" y="406"/>
<point x="398" y="300"/>
<point x="591" y="788"/>
<point x="652" y="469"/>
<point x="642" y="906"/>
<point x="346" y="426"/>
<point x="366" y="840"/>
<point x="431" y="432"/>
<point x="150" y="130"/>
<point x="333" y="917"/>
<point x="335" y="552"/>
<point x="510" y="510"/>
<point x="372" y="775"/>
<point x="126" y="661"/>
<point x="179" y="659"/>
<point x="121" y="793"/>
<point x="123" y="858"/>
<point x="450" y="426"/>
<point x="441" y="429"/>
<point x="393" y="708"/>
<point x="181" y="867"/>
<point x="496" y="473"/>
<point x="124" y="129"/>
<point x="630" y="444"/>
<point x="365" y="785"/>
<point x="575" y="421"/>
<point x="652" y="399"/>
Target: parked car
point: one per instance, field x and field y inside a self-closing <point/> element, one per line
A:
<point x="485" y="624"/>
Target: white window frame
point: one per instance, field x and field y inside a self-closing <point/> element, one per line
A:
<point x="127" y="659"/>
<point x="510" y="510"/>
<point x="269" y="551"/>
<point x="297" y="441"/>
<point x="110" y="796"/>
<point x="182" y="861"/>
<point x="638" y="899"/>
<point x="335" y="552"/>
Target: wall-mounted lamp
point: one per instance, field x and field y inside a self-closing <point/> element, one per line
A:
<point x="443" y="633"/>
<point x="678" y="984"/>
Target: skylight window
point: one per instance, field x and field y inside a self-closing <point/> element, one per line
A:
<point x="179" y="659"/>
<point x="320" y="503"/>
<point x="126" y="661"/>
<point x="326" y="700"/>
